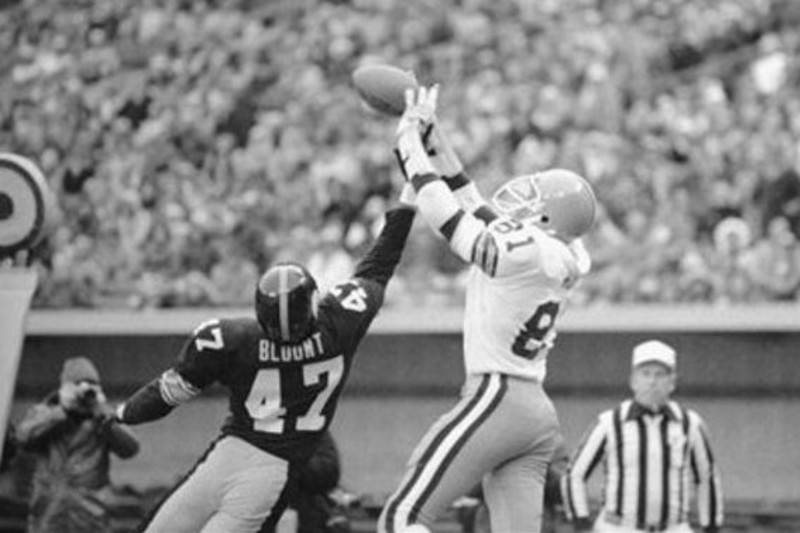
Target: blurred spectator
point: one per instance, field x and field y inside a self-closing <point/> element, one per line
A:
<point x="781" y="198"/>
<point x="15" y="471"/>
<point x="329" y="262"/>
<point x="234" y="275"/>
<point x="776" y="263"/>
<point x="72" y="435"/>
<point x="155" y="121"/>
<point x="733" y="242"/>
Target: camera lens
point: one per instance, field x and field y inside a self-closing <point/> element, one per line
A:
<point x="88" y="396"/>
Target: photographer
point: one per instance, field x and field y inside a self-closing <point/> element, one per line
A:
<point x="71" y="435"/>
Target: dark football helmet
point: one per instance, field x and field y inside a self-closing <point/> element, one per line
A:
<point x="557" y="200"/>
<point x="286" y="302"/>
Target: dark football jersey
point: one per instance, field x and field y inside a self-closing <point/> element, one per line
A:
<point x="283" y="396"/>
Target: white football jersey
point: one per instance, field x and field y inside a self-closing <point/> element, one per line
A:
<point x="514" y="299"/>
<point x="519" y="281"/>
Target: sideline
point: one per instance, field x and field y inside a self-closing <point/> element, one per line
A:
<point x="627" y="318"/>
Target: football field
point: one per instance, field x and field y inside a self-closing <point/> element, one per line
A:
<point x="376" y="436"/>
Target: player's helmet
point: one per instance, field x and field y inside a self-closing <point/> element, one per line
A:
<point x="286" y="301"/>
<point x="557" y="200"/>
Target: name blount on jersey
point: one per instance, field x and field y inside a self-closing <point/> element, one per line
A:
<point x="311" y="348"/>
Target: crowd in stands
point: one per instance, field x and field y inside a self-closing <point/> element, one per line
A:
<point x="191" y="143"/>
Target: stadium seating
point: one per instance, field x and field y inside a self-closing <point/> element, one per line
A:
<point x="191" y="143"/>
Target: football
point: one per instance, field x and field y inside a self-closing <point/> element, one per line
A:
<point x="383" y="87"/>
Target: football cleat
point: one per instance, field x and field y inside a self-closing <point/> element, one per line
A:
<point x="557" y="200"/>
<point x="286" y="303"/>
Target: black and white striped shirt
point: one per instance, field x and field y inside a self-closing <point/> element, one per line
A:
<point x="650" y="460"/>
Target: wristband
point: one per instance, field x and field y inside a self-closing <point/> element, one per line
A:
<point x="458" y="181"/>
<point x="412" y="156"/>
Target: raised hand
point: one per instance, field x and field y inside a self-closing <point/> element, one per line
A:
<point x="441" y="151"/>
<point x="420" y="110"/>
<point x="419" y="114"/>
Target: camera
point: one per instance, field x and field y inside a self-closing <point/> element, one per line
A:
<point x="87" y="398"/>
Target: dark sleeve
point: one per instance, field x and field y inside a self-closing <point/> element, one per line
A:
<point x="41" y="422"/>
<point x="202" y="360"/>
<point x="121" y="441"/>
<point x="485" y="214"/>
<point x="145" y="405"/>
<point x="200" y="363"/>
<point x="381" y="260"/>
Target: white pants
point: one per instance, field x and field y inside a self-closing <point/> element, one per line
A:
<point x="503" y="432"/>
<point x="232" y="490"/>
<point x="601" y="526"/>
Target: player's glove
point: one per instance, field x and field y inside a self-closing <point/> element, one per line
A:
<point x="441" y="151"/>
<point x="419" y="114"/>
<point x="420" y="110"/>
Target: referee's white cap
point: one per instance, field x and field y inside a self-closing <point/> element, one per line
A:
<point x="654" y="351"/>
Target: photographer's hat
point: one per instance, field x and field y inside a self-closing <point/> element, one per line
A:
<point x="79" y="369"/>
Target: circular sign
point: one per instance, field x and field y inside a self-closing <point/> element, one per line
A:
<point x="26" y="204"/>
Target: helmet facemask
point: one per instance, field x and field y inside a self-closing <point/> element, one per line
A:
<point x="558" y="201"/>
<point x="519" y="199"/>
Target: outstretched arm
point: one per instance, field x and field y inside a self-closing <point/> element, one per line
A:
<point x="381" y="260"/>
<point x="467" y="235"/>
<point x="200" y="363"/>
<point x="447" y="163"/>
<point x="149" y="402"/>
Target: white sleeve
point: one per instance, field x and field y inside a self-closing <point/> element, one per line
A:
<point x="503" y="247"/>
<point x="470" y="238"/>
<point x="583" y="463"/>
<point x="469" y="197"/>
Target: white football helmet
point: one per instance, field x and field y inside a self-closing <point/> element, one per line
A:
<point x="557" y="200"/>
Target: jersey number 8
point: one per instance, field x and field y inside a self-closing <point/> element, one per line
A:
<point x="530" y="340"/>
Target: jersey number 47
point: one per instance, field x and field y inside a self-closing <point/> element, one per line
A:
<point x="264" y="403"/>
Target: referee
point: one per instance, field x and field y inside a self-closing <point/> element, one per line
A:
<point x="652" y="449"/>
